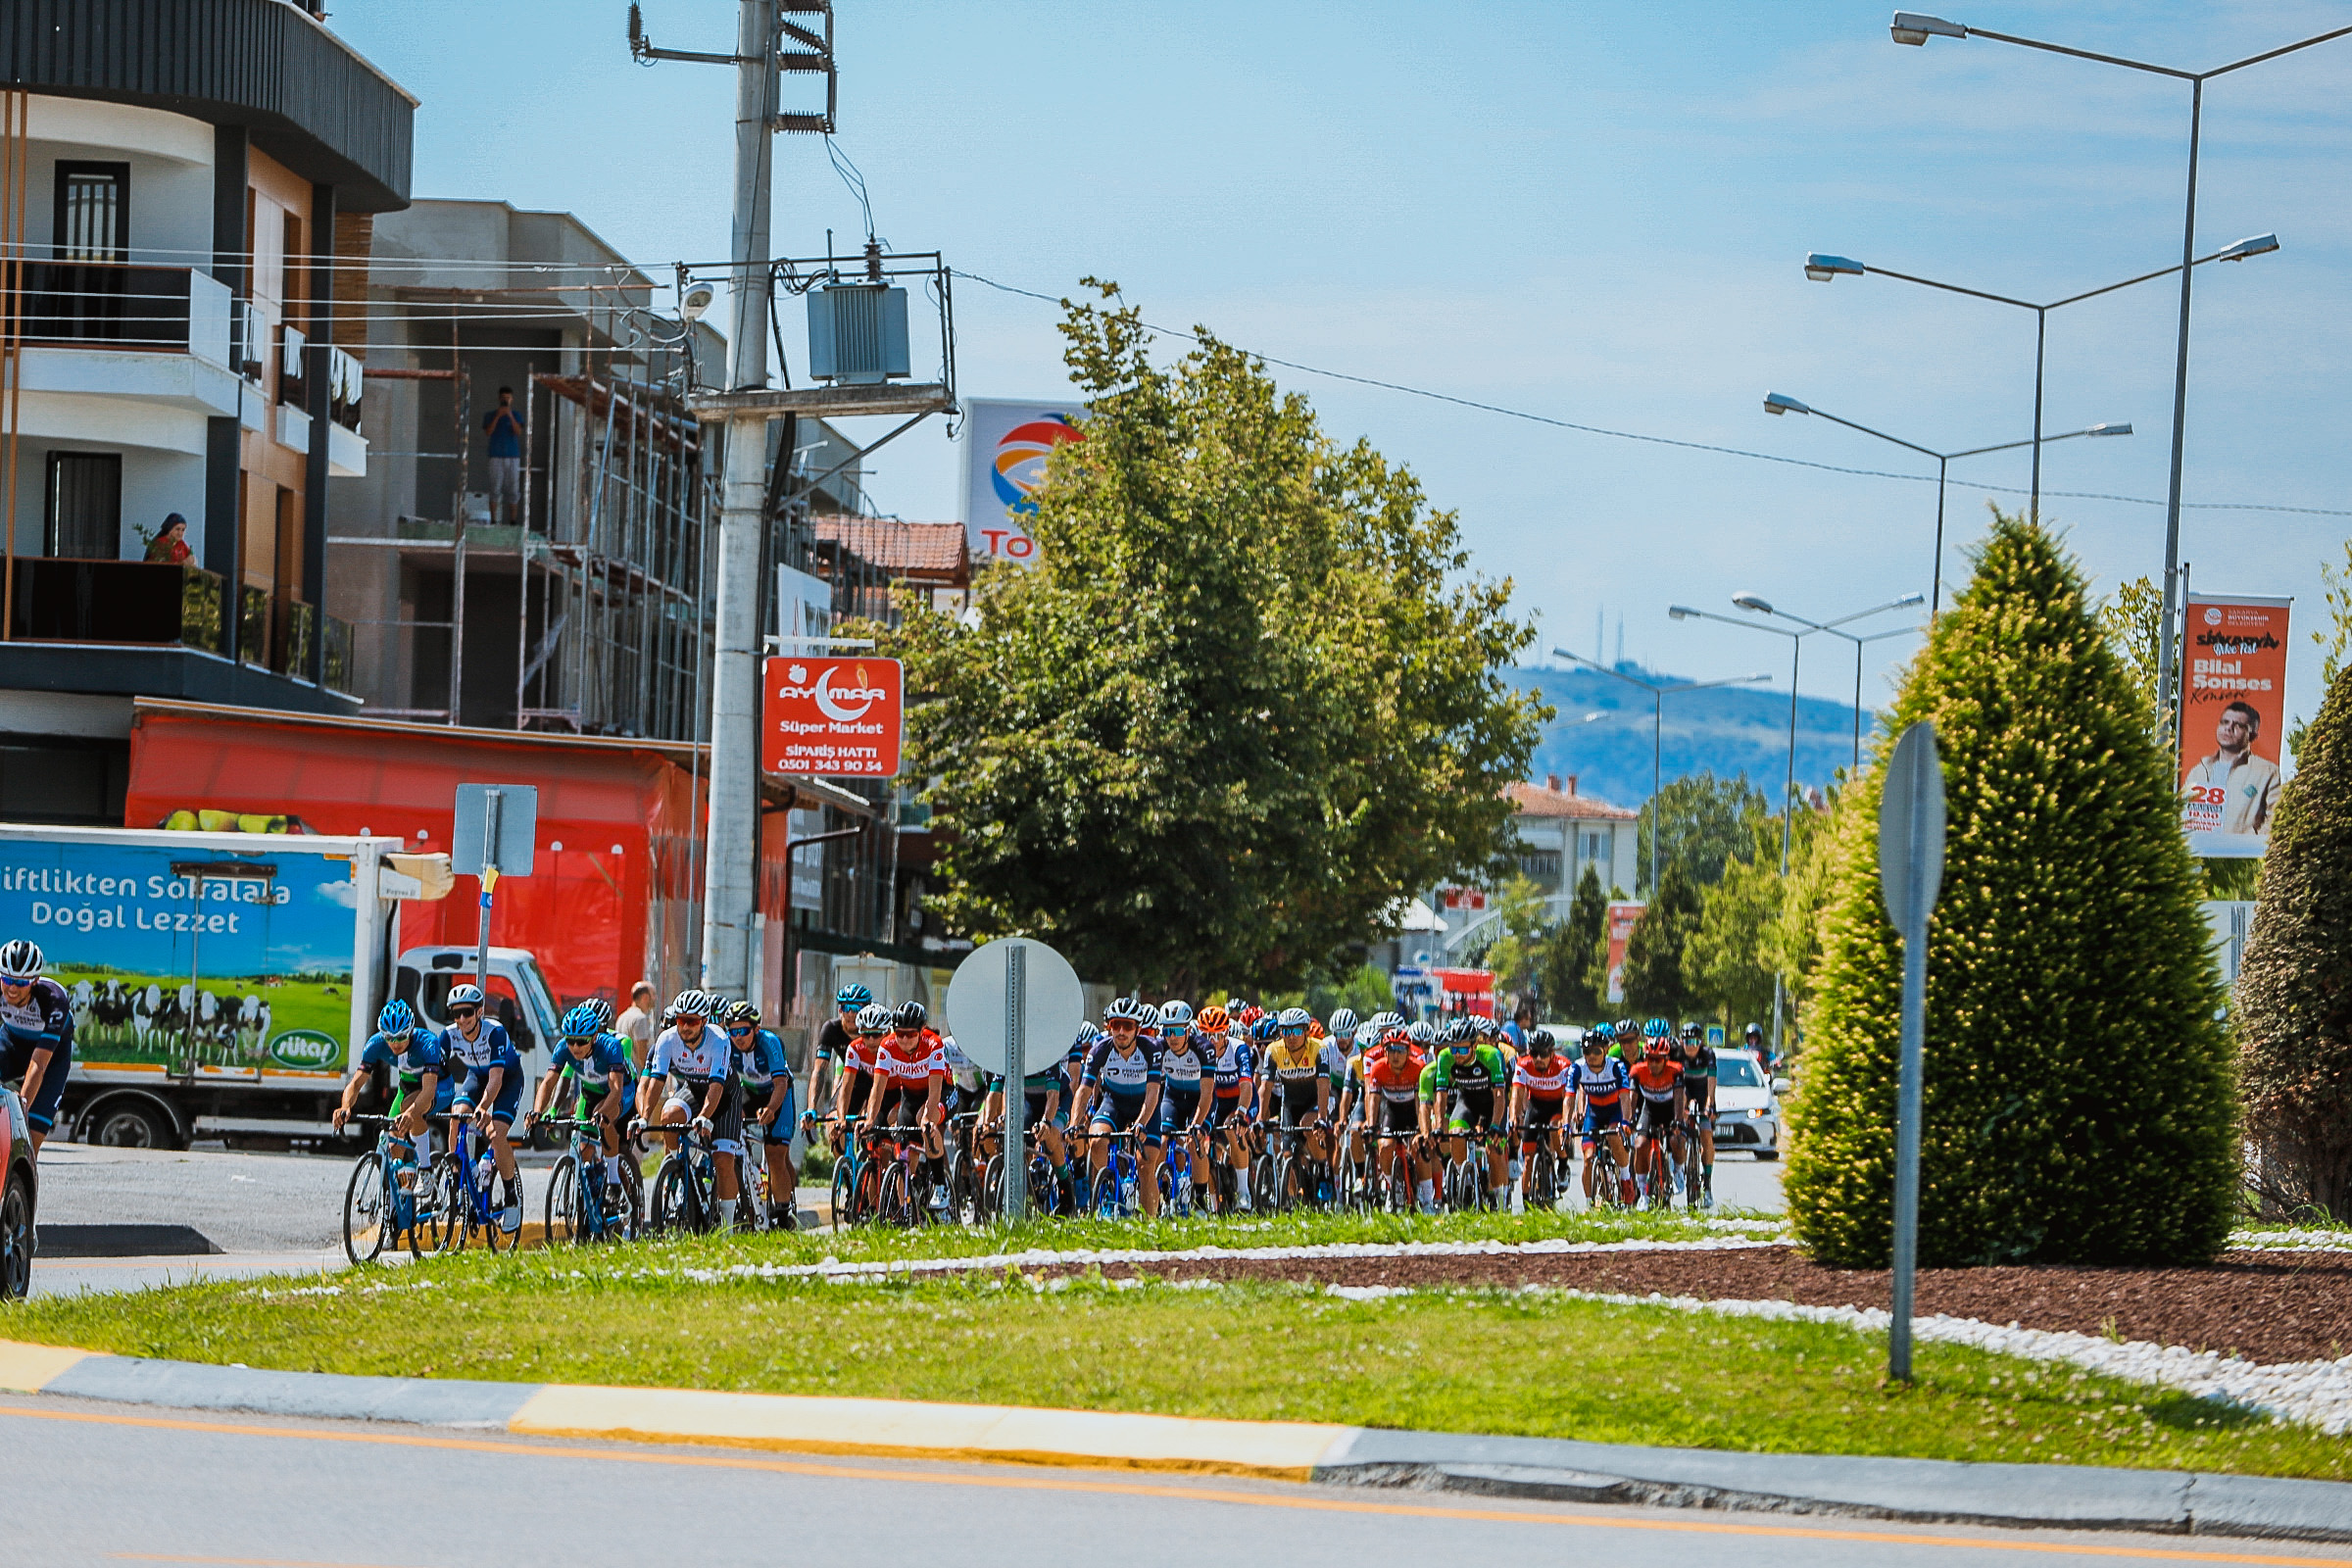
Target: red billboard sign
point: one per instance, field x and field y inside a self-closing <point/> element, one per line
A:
<point x="2233" y="721"/>
<point x="832" y="717"/>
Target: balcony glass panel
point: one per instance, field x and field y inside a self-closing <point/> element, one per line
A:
<point x="62" y="600"/>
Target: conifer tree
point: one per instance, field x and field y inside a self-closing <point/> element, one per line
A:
<point x="2080" y="1096"/>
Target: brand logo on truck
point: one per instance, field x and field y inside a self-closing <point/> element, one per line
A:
<point x="304" y="1049"/>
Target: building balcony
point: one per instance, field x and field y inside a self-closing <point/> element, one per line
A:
<point x="164" y="335"/>
<point x="58" y="599"/>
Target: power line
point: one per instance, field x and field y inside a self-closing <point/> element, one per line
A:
<point x="1670" y="441"/>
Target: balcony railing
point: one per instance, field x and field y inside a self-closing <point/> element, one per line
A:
<point x="339" y="671"/>
<point x="110" y="305"/>
<point x="59" y="599"/>
<point x="300" y="630"/>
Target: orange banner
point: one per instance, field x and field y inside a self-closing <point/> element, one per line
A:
<point x="2233" y="721"/>
<point x="1622" y="917"/>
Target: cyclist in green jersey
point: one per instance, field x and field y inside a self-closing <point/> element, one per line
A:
<point x="1464" y="1085"/>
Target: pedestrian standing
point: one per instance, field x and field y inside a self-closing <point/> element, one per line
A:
<point x="505" y="427"/>
<point x="636" y="1021"/>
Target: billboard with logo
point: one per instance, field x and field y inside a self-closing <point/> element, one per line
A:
<point x="1622" y="917"/>
<point x="831" y="718"/>
<point x="1005" y="445"/>
<point x="2233" y="721"/>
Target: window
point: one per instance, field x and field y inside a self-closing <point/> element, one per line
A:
<point x="84" y="505"/>
<point x="93" y="212"/>
<point x="1596" y="846"/>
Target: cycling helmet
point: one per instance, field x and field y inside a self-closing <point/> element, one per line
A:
<point x="1600" y="1031"/>
<point x="1456" y="1032"/>
<point x="1658" y="1046"/>
<point x="1484" y="1027"/>
<point x="1754" y="1031"/>
<point x="468" y="996"/>
<point x="874" y="1019"/>
<point x="1214" y="1020"/>
<point x="1248" y="1012"/>
<point x="1422" y="1034"/>
<point x="1656" y="1029"/>
<point x="21" y="960"/>
<point x="1176" y="1015"/>
<point x="1383" y="1022"/>
<point x="911" y="1015"/>
<point x="1541" y="1043"/>
<point x="1694" y="1031"/>
<point x="1294" y="1019"/>
<point x="1262" y="1031"/>
<point x="1125" y="1009"/>
<point x="603" y="1011"/>
<point x="1150" y="1015"/>
<point x="580" y="1023"/>
<point x="739" y="1012"/>
<point x="1314" y="1027"/>
<point x="690" y="1001"/>
<point x="396" y="1020"/>
<point x="1344" y="1023"/>
<point x="851" y="999"/>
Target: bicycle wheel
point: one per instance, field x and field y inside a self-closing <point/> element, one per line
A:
<point x="484" y="1207"/>
<point x="1262" y="1191"/>
<point x="1536" y="1178"/>
<point x="1103" y="1199"/>
<point x="845" y="1203"/>
<point x="444" y="1228"/>
<point x="567" y="1209"/>
<point x="893" y="1204"/>
<point x="364" y="1218"/>
<point x="671" y="1213"/>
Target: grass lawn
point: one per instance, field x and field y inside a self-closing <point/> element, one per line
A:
<point x="1472" y="1361"/>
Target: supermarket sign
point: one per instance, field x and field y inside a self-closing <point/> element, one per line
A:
<point x="832" y="717"/>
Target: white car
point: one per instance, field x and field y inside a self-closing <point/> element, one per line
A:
<point x="1748" y="1104"/>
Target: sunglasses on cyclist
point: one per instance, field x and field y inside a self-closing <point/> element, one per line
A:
<point x="463" y="1013"/>
<point x="18" y="980"/>
<point x="739" y="1030"/>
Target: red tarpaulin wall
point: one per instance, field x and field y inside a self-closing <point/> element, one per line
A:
<point x="618" y="898"/>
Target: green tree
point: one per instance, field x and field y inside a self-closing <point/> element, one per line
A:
<point x="1518" y="944"/>
<point x="2080" y="1104"/>
<point x="1706" y="824"/>
<point x="2334" y="640"/>
<point x="1249" y="697"/>
<point x="1731" y="956"/>
<point x="1564" y="973"/>
<point x="2294" y="1014"/>
<point x="1656" y="981"/>
<point x="2133" y="621"/>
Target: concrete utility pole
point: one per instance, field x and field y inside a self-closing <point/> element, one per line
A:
<point x="730" y="857"/>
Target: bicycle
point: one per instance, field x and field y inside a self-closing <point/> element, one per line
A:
<point x="465" y="1187"/>
<point x="967" y="1202"/>
<point x="1391" y="1187"/>
<point x="895" y="1200"/>
<point x="1463" y="1182"/>
<point x="582" y="1204"/>
<point x="1049" y="1194"/>
<point x="1286" y="1177"/>
<point x="851" y="1193"/>
<point x="1609" y="1179"/>
<point x="1543" y="1177"/>
<point x="1175" y="1180"/>
<point x="1117" y="1188"/>
<point x="686" y="1184"/>
<point x="376" y="1193"/>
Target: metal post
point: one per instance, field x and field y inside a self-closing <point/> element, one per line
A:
<point x="1796" y="654"/>
<point x="1908" y="1111"/>
<point x="1657" y="776"/>
<point x="2166" y="671"/>
<point x="1857" y="705"/>
<point x="2041" y="323"/>
<point x="729" y="861"/>
<point x="1936" y="597"/>
<point x="489" y="880"/>
<point x="1016" y="1082"/>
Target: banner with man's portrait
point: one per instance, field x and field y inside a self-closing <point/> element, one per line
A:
<point x="2233" y="721"/>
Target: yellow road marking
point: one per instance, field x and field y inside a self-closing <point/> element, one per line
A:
<point x="1138" y="1489"/>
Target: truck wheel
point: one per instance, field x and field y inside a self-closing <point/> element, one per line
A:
<point x="129" y="1124"/>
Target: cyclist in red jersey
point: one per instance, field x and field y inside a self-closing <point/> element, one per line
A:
<point x="1658" y="1099"/>
<point x="1539" y="1096"/>
<point x="1392" y="1074"/>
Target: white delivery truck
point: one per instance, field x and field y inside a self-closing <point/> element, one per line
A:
<point x="222" y="982"/>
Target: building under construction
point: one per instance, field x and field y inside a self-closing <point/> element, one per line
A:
<point x="578" y="603"/>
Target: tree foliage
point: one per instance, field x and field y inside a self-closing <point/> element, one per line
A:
<point x="1249" y="697"/>
<point x="1573" y="966"/>
<point x="1657" y="981"/>
<point x="2080" y="1104"/>
<point x="2295" y="1012"/>
<point x="1706" y="824"/>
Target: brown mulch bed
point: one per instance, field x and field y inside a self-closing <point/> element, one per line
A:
<point x="2266" y="1306"/>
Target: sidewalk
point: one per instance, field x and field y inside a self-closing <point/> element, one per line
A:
<point x="2074" y="1497"/>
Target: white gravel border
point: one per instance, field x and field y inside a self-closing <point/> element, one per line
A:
<point x="2314" y="1392"/>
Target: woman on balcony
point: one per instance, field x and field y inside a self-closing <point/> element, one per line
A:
<point x="171" y="547"/>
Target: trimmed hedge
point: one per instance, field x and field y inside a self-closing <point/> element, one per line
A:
<point x="2079" y="1101"/>
<point x="2294" y="1007"/>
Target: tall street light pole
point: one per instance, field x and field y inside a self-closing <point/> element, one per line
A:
<point x="1797" y="648"/>
<point x="1778" y="403"/>
<point x="1657" y="731"/>
<point x="1915" y="29"/>
<point x="1823" y="268"/>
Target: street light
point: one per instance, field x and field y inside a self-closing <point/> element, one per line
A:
<point x="1776" y="403"/>
<point x="1824" y="269"/>
<point x="1759" y="605"/>
<point x="1913" y="28"/>
<point x="1658" y="694"/>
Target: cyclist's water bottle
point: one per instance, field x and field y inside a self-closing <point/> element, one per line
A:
<point x="483" y="1169"/>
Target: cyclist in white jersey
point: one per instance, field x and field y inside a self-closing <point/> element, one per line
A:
<point x="687" y="1079"/>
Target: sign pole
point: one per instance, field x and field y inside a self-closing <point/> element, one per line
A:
<point x="489" y="876"/>
<point x="1910" y="874"/>
<point x="1016" y="1083"/>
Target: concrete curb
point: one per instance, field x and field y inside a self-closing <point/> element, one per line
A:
<point x="2045" y="1497"/>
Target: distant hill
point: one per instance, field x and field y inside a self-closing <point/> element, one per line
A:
<point x="1731" y="729"/>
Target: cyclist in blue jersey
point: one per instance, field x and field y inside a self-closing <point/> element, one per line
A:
<point x="492" y="1090"/>
<point x="689" y="1080"/>
<point x="769" y="1114"/>
<point x="36" y="1032"/>
<point x="1233" y="1071"/>
<point x="1186" y="1067"/>
<point x="598" y="1060"/>
<point x="1601" y="1088"/>
<point x="1119" y="1090"/>
<point x="412" y="1058"/>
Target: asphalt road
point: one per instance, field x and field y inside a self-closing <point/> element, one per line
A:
<point x="92" y="1483"/>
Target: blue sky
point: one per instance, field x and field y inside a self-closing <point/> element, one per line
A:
<point x="1595" y="212"/>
